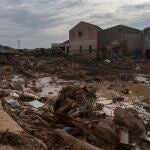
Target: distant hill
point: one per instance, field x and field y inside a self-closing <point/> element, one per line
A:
<point x="5" y="47"/>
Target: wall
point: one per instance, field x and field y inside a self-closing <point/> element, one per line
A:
<point x="55" y="46"/>
<point x="134" y="42"/>
<point x="128" y="39"/>
<point x="88" y="37"/>
<point x="147" y="39"/>
<point x="107" y="36"/>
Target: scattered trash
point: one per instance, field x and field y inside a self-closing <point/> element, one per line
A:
<point x="72" y="115"/>
<point x="125" y="91"/>
<point x="147" y="108"/>
<point x="16" y="86"/>
<point x="15" y="95"/>
<point x="129" y="118"/>
<point x="124" y="136"/>
<point x="13" y="103"/>
<point x="36" y="104"/>
<point x="107" y="61"/>
<point x="118" y="99"/>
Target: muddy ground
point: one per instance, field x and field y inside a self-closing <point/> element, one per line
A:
<point x="45" y="77"/>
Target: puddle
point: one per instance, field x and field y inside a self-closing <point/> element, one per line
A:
<point x="52" y="85"/>
<point x="49" y="86"/>
<point x="142" y="79"/>
<point x="104" y="102"/>
<point x="17" y="78"/>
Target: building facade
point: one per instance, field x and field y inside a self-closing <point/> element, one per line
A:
<point x="91" y="41"/>
<point x="65" y="47"/>
<point x="119" y="41"/>
<point x="83" y="39"/>
<point x="146" y="42"/>
<point x="55" y="46"/>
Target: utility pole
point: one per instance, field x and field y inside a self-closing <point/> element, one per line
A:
<point x="19" y="44"/>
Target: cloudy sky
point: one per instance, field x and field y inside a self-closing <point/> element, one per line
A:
<point x="37" y="23"/>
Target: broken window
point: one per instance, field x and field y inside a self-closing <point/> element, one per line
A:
<point x="67" y="49"/>
<point x="80" y="33"/>
<point x="80" y="50"/>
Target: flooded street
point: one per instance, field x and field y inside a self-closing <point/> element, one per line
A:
<point x="48" y="86"/>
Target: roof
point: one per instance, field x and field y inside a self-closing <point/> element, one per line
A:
<point x="97" y="27"/>
<point x="125" y="29"/>
<point x="147" y="29"/>
<point x="92" y="25"/>
<point x="64" y="43"/>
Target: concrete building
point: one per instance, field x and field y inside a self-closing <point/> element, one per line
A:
<point x="91" y="41"/>
<point x="55" y="46"/>
<point x="65" y="46"/>
<point x="83" y="39"/>
<point x="61" y="47"/>
<point x="146" y="42"/>
<point x="119" y="40"/>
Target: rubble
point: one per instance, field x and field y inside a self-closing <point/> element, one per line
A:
<point x="125" y="91"/>
<point x="107" y="130"/>
<point x="129" y="118"/>
<point x="117" y="99"/>
<point x="68" y="114"/>
<point x="16" y="86"/>
<point x="21" y="141"/>
<point x="74" y="114"/>
<point x="75" y="143"/>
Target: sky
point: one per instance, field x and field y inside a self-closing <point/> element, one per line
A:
<point x="38" y="23"/>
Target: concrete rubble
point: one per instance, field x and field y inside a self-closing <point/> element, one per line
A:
<point x="65" y="104"/>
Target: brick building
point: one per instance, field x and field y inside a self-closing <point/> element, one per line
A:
<point x="83" y="39"/>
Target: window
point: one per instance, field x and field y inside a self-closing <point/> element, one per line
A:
<point x="90" y="49"/>
<point x="67" y="49"/>
<point x="80" y="34"/>
<point x="80" y="50"/>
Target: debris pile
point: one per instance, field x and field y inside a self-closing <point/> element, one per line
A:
<point x="76" y="121"/>
<point x="22" y="141"/>
<point x="129" y="118"/>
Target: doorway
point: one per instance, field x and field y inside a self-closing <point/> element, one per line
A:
<point x="147" y="54"/>
<point x="80" y="50"/>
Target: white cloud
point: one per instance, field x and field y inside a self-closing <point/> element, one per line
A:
<point x="39" y="22"/>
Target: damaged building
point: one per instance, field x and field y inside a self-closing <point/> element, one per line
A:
<point x="61" y="47"/>
<point x="146" y="42"/>
<point x="55" y="47"/>
<point x="64" y="47"/>
<point x="84" y="39"/>
<point x="89" y="40"/>
<point x="119" y="40"/>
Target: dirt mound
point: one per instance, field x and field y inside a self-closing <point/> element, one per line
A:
<point x="129" y="119"/>
<point x="22" y="141"/>
<point x="77" y="94"/>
